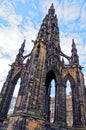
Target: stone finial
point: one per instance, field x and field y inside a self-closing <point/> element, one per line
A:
<point x="74" y="57"/>
<point x="19" y="57"/>
<point x="51" y="10"/>
<point x="52" y="6"/>
<point x="21" y="50"/>
<point x="73" y="44"/>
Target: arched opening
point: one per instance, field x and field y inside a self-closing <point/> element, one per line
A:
<point x="52" y="100"/>
<point x="50" y="96"/>
<point x="68" y="88"/>
<point x="69" y="105"/>
<point x="14" y="97"/>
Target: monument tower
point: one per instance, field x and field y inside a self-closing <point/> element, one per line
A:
<point x="44" y="63"/>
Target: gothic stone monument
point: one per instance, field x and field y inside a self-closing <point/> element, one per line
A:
<point x="44" y="63"/>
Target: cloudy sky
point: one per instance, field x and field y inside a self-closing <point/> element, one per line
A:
<point x="21" y="19"/>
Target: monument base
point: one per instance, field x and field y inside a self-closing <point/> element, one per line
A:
<point x="31" y="122"/>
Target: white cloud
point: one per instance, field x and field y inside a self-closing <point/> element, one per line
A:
<point x="66" y="41"/>
<point x="12" y="36"/>
<point x="71" y="11"/>
<point x="66" y="45"/>
<point x="83" y="17"/>
<point x="4" y="67"/>
<point x="45" y="5"/>
<point x="9" y="40"/>
<point x="4" y="61"/>
<point x="30" y="33"/>
<point x="23" y="1"/>
<point x="65" y="10"/>
<point x="83" y="13"/>
<point x="7" y="13"/>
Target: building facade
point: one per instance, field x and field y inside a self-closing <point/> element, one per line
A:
<point x="52" y="109"/>
<point x="69" y="110"/>
<point x="12" y="105"/>
<point x="44" y="63"/>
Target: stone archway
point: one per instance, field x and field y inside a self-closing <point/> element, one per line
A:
<point x="10" y="86"/>
<point x="69" y="78"/>
<point x="69" y="100"/>
<point x="49" y="77"/>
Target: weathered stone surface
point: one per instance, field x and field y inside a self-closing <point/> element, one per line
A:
<point x="44" y="63"/>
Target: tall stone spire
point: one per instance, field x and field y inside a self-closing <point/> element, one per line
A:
<point x="32" y="109"/>
<point x="49" y="30"/>
<point x="74" y="57"/>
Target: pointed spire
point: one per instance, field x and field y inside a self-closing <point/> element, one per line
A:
<point x="51" y="10"/>
<point x="21" y="50"/>
<point x="52" y="6"/>
<point x="49" y="30"/>
<point x="74" y="57"/>
<point x="19" y="57"/>
<point x="73" y="44"/>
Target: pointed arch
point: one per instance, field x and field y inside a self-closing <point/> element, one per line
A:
<point x="16" y="77"/>
<point x="9" y="93"/>
<point x="50" y="100"/>
<point x="50" y="75"/>
<point x="69" y="99"/>
<point x="70" y="78"/>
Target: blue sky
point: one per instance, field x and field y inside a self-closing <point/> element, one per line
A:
<point x="21" y="19"/>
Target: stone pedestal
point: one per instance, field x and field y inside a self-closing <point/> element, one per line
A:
<point x="31" y="122"/>
<point x="25" y="122"/>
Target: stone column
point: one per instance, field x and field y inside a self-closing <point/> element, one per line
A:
<point x="60" y="104"/>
